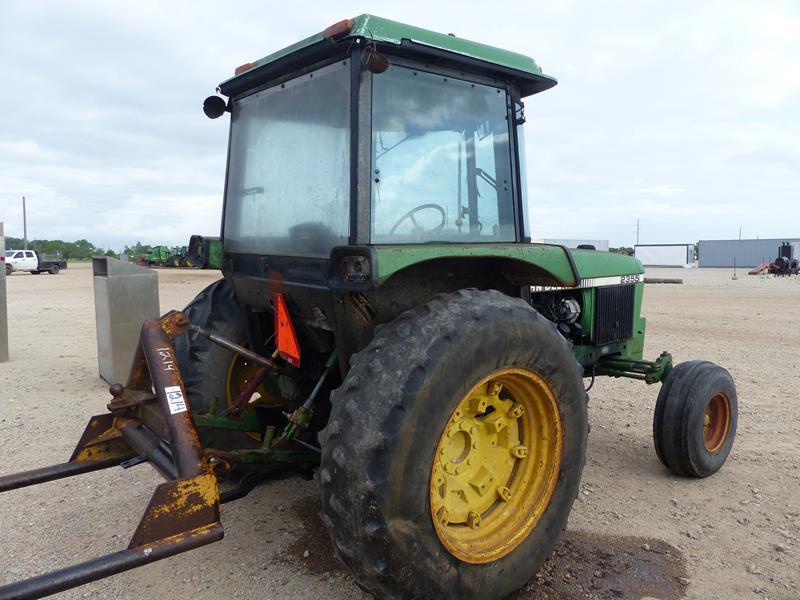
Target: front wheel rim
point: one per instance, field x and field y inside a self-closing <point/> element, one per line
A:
<point x="496" y="465"/>
<point x="716" y="422"/>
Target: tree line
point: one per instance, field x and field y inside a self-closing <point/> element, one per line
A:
<point x="78" y="250"/>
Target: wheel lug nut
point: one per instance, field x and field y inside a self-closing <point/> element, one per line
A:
<point x="474" y="520"/>
<point x="504" y="493"/>
<point x="520" y="451"/>
<point x="516" y="410"/>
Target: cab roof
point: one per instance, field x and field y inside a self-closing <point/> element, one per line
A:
<point x="518" y="68"/>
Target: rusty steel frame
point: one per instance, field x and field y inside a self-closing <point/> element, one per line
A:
<point x="183" y="513"/>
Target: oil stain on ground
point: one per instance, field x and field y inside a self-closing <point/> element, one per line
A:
<point x="590" y="566"/>
<point x="312" y="550"/>
<point x="583" y="565"/>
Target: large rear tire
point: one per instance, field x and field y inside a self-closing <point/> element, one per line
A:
<point x="454" y="449"/>
<point x="205" y="365"/>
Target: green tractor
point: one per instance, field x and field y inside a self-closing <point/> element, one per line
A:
<point x="203" y="252"/>
<point x="157" y="256"/>
<point x="385" y="322"/>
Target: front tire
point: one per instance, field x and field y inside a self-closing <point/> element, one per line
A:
<point x="695" y="420"/>
<point x="438" y="383"/>
<point x="9" y="270"/>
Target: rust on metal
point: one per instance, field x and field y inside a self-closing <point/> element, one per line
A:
<point x="174" y="323"/>
<point x="172" y="398"/>
<point x="716" y="422"/>
<point x="102" y="440"/>
<point x="183" y="513"/>
<point x="177" y="507"/>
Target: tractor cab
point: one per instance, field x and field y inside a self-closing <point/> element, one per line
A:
<point x="380" y="163"/>
<point x="374" y="132"/>
<point x="370" y="148"/>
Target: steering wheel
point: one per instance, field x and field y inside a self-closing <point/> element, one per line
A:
<point x="417" y="228"/>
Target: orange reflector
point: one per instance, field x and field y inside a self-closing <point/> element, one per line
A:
<point x="338" y="29"/>
<point x="242" y="68"/>
<point x="288" y="348"/>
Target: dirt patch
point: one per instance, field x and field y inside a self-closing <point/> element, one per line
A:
<point x="738" y="530"/>
<point x="586" y="565"/>
<point x="312" y="550"/>
<point x="583" y="565"/>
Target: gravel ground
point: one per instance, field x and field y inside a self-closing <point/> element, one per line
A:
<point x="635" y="532"/>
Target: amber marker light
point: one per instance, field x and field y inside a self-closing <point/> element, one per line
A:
<point x="242" y="68"/>
<point x="339" y="29"/>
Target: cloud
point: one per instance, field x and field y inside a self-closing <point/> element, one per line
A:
<point x="681" y="115"/>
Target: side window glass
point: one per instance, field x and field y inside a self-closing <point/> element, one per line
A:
<point x="441" y="160"/>
<point x="29" y="254"/>
<point x="19" y="255"/>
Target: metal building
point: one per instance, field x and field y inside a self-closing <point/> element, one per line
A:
<point x="746" y="253"/>
<point x="665" y="255"/>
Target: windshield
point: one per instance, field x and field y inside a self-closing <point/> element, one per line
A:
<point x="288" y="174"/>
<point x="441" y="160"/>
<point x="8" y="253"/>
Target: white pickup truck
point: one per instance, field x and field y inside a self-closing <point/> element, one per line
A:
<point x="32" y="262"/>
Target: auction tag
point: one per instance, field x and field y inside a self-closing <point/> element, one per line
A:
<point x="175" y="399"/>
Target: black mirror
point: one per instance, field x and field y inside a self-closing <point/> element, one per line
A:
<point x="214" y="107"/>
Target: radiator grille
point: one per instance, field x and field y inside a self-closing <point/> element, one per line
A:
<point x="613" y="320"/>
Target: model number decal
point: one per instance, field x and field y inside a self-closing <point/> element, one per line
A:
<point x="629" y="279"/>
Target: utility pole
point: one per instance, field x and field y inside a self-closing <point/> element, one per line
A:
<point x="24" y="226"/>
<point x="637" y="232"/>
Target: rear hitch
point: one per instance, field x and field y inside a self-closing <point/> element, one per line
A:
<point x="183" y="513"/>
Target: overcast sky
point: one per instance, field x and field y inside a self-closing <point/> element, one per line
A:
<point x="684" y="115"/>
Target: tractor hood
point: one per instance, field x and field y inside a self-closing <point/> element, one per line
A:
<point x="592" y="263"/>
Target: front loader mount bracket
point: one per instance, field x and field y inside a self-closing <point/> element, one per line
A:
<point x="183" y="513"/>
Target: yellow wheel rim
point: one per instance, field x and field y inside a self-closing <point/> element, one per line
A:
<point x="496" y="465"/>
<point x="240" y="372"/>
